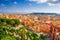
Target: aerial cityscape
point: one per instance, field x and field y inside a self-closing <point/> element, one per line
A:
<point x="29" y="19"/>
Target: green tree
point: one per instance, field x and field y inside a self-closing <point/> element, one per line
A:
<point x="42" y="36"/>
<point x="7" y="37"/>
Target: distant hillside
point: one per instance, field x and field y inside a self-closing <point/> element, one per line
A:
<point x="52" y="14"/>
<point x="43" y="13"/>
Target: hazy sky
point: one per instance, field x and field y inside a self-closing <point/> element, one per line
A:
<point x="28" y="6"/>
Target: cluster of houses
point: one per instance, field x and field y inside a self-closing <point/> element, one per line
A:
<point x="36" y="23"/>
<point x="33" y="22"/>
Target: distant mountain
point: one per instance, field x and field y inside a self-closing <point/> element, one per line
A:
<point x="52" y="14"/>
<point x="43" y="13"/>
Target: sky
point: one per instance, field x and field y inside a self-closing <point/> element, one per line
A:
<point x="29" y="6"/>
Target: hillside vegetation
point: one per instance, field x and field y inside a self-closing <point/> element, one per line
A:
<point x="8" y="31"/>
